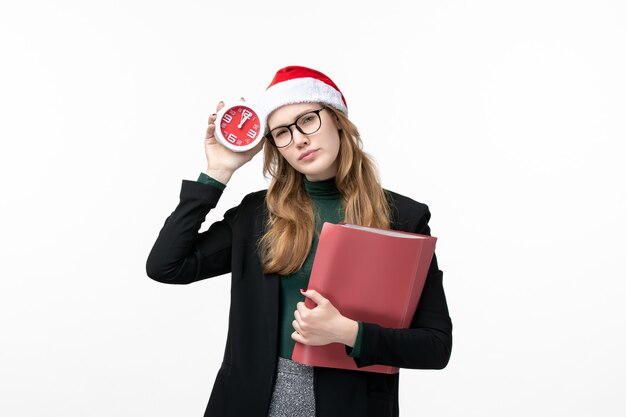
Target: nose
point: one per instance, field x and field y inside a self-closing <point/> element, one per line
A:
<point x="299" y="138"/>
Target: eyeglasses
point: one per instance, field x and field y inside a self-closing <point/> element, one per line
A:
<point x="307" y="124"/>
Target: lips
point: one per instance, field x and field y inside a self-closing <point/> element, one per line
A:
<point x="306" y="153"/>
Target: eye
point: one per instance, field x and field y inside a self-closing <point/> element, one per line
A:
<point x="277" y="133"/>
<point x="307" y="118"/>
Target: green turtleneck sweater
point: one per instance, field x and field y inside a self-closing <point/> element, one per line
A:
<point x="327" y="202"/>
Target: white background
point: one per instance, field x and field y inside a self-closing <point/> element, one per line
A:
<point x="506" y="118"/>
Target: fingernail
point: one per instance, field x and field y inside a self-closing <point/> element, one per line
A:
<point x="214" y="114"/>
<point x="303" y="289"/>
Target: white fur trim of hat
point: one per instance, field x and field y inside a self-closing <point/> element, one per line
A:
<point x="295" y="84"/>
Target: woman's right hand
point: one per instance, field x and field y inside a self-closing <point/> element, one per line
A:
<point x="222" y="162"/>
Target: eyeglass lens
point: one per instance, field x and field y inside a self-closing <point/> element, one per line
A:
<point x="307" y="124"/>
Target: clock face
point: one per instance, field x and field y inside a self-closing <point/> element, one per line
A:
<point x="238" y="127"/>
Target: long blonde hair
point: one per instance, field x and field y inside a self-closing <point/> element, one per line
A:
<point x="291" y="220"/>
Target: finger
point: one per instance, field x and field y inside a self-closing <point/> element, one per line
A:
<point x="241" y="99"/>
<point x="297" y="337"/>
<point x="301" y="308"/>
<point x="210" y="131"/>
<point x="298" y="316"/>
<point x="259" y="146"/>
<point x="256" y="149"/>
<point x="296" y="326"/>
<point x="314" y="295"/>
<point x="220" y="105"/>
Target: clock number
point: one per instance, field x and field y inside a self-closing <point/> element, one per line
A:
<point x="227" y="118"/>
<point x="251" y="133"/>
<point x="232" y="138"/>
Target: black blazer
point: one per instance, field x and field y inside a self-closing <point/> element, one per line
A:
<point x="245" y="381"/>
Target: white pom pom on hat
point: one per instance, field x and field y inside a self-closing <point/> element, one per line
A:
<point x="295" y="84"/>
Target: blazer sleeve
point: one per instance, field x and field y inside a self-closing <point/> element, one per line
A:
<point x="180" y="254"/>
<point x="427" y="343"/>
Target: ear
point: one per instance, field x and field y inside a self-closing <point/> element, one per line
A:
<point x="337" y="122"/>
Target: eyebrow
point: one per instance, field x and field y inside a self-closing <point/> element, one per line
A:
<point x="302" y="113"/>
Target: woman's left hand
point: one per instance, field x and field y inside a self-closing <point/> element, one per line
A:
<point x="323" y="324"/>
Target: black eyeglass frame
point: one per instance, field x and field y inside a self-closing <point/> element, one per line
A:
<point x="270" y="138"/>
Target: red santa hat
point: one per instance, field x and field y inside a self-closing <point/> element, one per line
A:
<point x="296" y="84"/>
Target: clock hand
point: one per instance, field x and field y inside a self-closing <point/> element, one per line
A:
<point x="245" y="115"/>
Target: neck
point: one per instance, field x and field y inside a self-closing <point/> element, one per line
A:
<point x="325" y="189"/>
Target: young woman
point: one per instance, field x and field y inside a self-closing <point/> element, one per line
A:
<point x="318" y="173"/>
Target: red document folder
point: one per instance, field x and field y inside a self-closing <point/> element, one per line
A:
<point x="368" y="274"/>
